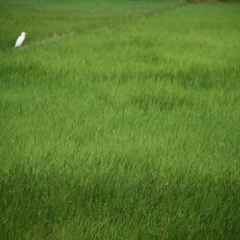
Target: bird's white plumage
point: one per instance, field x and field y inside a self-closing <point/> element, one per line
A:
<point x="20" y="39"/>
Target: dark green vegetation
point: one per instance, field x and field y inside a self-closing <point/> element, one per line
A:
<point x="120" y="120"/>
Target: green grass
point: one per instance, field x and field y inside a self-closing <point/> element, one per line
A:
<point x="120" y="120"/>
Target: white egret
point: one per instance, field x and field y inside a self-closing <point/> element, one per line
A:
<point x="20" y="39"/>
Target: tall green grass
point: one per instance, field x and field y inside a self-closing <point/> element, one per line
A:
<point x="120" y="120"/>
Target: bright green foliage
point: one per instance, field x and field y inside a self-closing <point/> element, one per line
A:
<point x="120" y="120"/>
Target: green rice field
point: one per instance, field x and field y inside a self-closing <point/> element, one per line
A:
<point x="120" y="120"/>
